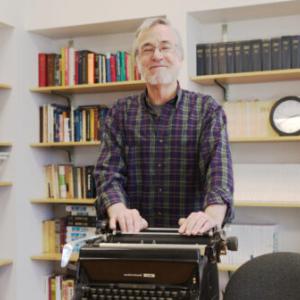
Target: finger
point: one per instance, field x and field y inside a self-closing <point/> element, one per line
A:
<point x="112" y="223"/>
<point x="136" y="217"/>
<point x="205" y="227"/>
<point x="144" y="224"/>
<point x="191" y="223"/>
<point x="182" y="228"/>
<point x="122" y="223"/>
<point x="198" y="227"/>
<point x="181" y="221"/>
<point x="129" y="223"/>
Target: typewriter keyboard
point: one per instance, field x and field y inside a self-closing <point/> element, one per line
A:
<point x="117" y="293"/>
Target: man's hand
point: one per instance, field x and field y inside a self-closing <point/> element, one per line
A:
<point x="129" y="220"/>
<point x="200" y="222"/>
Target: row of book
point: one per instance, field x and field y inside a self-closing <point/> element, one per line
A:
<point x="62" y="123"/>
<point x="248" y="118"/>
<point x="249" y="55"/>
<point x="79" y="223"/>
<point x="253" y="240"/>
<point x="58" y="287"/>
<point x="68" y="181"/>
<point x="72" y="67"/>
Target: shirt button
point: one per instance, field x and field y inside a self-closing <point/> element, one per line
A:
<point x="161" y="141"/>
<point x="159" y="165"/>
<point x="160" y="190"/>
<point x="159" y="213"/>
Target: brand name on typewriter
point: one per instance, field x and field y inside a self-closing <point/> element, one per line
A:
<point x="140" y="275"/>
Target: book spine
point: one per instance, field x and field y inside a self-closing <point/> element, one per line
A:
<point x="286" y="52"/>
<point x="295" y="45"/>
<point x="200" y="59"/>
<point x="276" y="53"/>
<point x="229" y="57"/>
<point x="237" y="57"/>
<point x="42" y="69"/>
<point x="256" y="50"/>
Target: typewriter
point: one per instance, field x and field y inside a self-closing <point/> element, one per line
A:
<point x="155" y="264"/>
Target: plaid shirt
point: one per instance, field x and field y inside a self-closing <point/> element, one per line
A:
<point x="165" y="166"/>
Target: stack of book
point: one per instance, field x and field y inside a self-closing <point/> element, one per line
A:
<point x="68" y="181"/>
<point x="58" y="287"/>
<point x="61" y="123"/>
<point x="72" y="67"/>
<point x="249" y="55"/>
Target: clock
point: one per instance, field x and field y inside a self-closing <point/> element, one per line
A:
<point x="285" y="116"/>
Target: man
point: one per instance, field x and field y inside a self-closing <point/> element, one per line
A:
<point x="164" y="158"/>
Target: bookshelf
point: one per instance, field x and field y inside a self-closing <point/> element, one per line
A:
<point x="78" y="95"/>
<point x="278" y="204"/>
<point x="4" y="86"/>
<point x="5" y="262"/>
<point x="93" y="88"/>
<point x="64" y="144"/>
<point x="5" y="183"/>
<point x="267" y="139"/>
<point x="249" y="77"/>
<point x="5" y="144"/>
<point x="78" y="201"/>
<point x="249" y="23"/>
<point x="48" y="34"/>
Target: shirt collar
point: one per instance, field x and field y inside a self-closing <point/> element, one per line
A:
<point x="174" y="101"/>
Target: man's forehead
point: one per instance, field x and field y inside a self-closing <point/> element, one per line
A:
<point x="157" y="35"/>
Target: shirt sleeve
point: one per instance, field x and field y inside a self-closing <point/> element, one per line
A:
<point x="110" y="171"/>
<point x="216" y="161"/>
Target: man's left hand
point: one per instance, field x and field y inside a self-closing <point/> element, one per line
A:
<point x="196" y="223"/>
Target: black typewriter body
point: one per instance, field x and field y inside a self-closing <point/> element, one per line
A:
<point x="147" y="266"/>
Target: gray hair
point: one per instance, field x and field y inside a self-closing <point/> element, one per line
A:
<point x="149" y="23"/>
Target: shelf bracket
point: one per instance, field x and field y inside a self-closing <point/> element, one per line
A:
<point x="69" y="154"/>
<point x="66" y="97"/>
<point x="224" y="89"/>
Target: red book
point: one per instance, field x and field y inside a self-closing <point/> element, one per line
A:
<point x="113" y="67"/>
<point x="42" y="69"/>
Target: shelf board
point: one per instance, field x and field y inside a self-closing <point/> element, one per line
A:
<point x="246" y="12"/>
<point x="227" y="267"/>
<point x="265" y="139"/>
<point x="249" y="77"/>
<point x="5" y="262"/>
<point x="4" y="86"/>
<point x="280" y="204"/>
<point x="101" y="28"/>
<point x="52" y="257"/>
<point x="93" y="88"/>
<point x="5" y="183"/>
<point x="63" y="201"/>
<point x="5" y="144"/>
<point x="64" y="144"/>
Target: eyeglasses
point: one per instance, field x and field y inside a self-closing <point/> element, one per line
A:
<point x="149" y="50"/>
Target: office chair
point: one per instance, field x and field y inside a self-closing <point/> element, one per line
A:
<point x="274" y="276"/>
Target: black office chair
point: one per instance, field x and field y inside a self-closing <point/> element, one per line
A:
<point x="274" y="276"/>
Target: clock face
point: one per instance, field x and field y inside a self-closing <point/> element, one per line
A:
<point x="286" y="116"/>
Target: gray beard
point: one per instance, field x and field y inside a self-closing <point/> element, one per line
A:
<point x="163" y="77"/>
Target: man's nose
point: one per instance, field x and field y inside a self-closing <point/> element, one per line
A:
<point x="157" y="54"/>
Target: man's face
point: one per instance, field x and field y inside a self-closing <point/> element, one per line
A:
<point x="158" y="58"/>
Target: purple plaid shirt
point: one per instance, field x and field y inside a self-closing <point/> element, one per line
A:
<point x="165" y="166"/>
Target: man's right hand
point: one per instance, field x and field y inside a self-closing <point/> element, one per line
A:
<point x="129" y="220"/>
